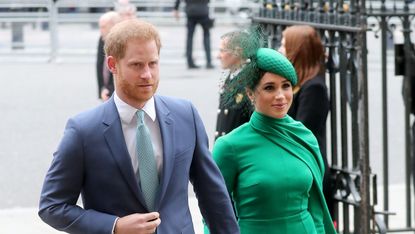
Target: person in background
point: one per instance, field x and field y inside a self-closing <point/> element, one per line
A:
<point x="197" y="12"/>
<point x="123" y="11"/>
<point x="126" y="9"/>
<point x="235" y="49"/>
<point x="272" y="165"/>
<point x="132" y="157"/>
<point x="104" y="76"/>
<point x="302" y="45"/>
<point x="233" y="111"/>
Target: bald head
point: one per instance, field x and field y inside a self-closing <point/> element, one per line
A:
<point x="126" y="10"/>
<point x="107" y="21"/>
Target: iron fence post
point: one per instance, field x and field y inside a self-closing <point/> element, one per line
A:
<point x="365" y="215"/>
<point x="409" y="58"/>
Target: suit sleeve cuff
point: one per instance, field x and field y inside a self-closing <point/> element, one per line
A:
<point x="113" y="226"/>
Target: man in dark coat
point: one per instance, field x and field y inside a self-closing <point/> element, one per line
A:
<point x="104" y="76"/>
<point x="197" y="12"/>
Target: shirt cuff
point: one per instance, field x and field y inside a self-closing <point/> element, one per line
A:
<point x="113" y="226"/>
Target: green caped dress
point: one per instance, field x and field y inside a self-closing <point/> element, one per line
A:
<point x="273" y="171"/>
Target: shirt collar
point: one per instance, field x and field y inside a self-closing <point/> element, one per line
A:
<point x="127" y="112"/>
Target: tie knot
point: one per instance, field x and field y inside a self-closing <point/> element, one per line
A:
<point x="140" y="117"/>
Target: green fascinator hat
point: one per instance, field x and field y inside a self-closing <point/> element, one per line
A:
<point x="259" y="60"/>
<point x="269" y="60"/>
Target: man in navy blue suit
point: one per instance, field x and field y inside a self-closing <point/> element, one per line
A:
<point x="97" y="156"/>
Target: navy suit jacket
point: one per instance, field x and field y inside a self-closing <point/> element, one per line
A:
<point x="92" y="160"/>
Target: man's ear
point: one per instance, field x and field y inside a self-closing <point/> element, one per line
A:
<point x="111" y="63"/>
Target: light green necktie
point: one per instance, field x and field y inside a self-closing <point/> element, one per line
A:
<point x="147" y="166"/>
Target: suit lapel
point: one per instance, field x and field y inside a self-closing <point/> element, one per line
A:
<point x="115" y="139"/>
<point x="167" y="136"/>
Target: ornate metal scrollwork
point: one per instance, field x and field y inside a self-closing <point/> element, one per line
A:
<point x="346" y="184"/>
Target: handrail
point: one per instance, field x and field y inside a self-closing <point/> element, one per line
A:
<point x="159" y="11"/>
<point x="15" y="14"/>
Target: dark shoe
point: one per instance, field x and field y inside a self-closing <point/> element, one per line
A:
<point x="210" y="66"/>
<point x="193" y="66"/>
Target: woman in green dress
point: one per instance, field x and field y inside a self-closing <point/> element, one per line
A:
<point x="272" y="165"/>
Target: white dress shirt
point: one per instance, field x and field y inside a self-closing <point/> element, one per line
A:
<point x="129" y="128"/>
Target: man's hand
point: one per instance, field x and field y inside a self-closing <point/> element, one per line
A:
<point x="138" y="223"/>
<point x="176" y="14"/>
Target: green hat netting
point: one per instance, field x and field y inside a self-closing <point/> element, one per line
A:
<point x="253" y="41"/>
<point x="246" y="43"/>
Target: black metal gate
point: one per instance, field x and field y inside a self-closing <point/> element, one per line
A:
<point x="344" y="26"/>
